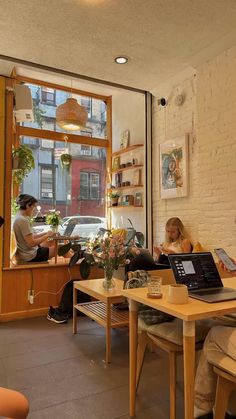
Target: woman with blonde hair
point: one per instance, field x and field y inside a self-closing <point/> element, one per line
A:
<point x="176" y="240"/>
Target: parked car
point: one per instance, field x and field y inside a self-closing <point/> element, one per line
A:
<point x="83" y="225"/>
<point x="78" y="225"/>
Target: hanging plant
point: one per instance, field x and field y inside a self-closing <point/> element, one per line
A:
<point x="66" y="160"/>
<point x="22" y="163"/>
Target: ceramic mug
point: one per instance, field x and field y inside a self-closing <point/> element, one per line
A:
<point x="177" y="294"/>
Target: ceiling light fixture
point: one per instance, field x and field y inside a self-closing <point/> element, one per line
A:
<point x="121" y="60"/>
<point x="70" y="115"/>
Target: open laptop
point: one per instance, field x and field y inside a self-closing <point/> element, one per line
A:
<point x="199" y="272"/>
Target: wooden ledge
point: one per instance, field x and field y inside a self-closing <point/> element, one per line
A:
<point x="61" y="261"/>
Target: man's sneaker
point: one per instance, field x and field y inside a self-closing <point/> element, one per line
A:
<point x="54" y="315"/>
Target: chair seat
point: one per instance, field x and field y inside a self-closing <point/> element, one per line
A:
<point x="173" y="331"/>
<point x="223" y="362"/>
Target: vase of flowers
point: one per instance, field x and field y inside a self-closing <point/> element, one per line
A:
<point x="53" y="218"/>
<point x="110" y="252"/>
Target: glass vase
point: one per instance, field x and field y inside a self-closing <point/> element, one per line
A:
<point x="108" y="283"/>
<point x="54" y="228"/>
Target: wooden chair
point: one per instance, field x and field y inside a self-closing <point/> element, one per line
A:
<point x="149" y="336"/>
<point x="226" y="384"/>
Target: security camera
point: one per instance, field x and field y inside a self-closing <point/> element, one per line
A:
<point x="162" y="101"/>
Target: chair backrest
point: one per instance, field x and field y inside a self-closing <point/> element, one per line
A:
<point x="166" y="275"/>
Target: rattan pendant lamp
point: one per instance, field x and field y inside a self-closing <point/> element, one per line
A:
<point x="71" y="116"/>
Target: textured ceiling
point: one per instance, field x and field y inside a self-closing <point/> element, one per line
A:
<point x="162" y="38"/>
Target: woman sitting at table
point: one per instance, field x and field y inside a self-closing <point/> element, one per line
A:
<point x="31" y="247"/>
<point x="220" y="341"/>
<point x="176" y="241"/>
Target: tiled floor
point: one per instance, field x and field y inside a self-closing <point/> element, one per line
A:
<point x="64" y="375"/>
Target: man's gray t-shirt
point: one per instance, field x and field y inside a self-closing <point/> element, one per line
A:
<point x="21" y="228"/>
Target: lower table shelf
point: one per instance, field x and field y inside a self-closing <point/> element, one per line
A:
<point x="97" y="311"/>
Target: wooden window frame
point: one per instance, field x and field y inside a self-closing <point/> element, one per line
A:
<point x="14" y="132"/>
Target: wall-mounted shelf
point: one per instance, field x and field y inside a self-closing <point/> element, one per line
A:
<point x="120" y="188"/>
<point x="133" y="166"/>
<point x="126" y="150"/>
<point x="125" y="206"/>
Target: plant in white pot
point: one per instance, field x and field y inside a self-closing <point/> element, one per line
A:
<point x="53" y="218"/>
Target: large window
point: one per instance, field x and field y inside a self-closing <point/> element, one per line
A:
<point x="66" y="189"/>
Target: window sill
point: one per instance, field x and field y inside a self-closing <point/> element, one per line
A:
<point x="61" y="261"/>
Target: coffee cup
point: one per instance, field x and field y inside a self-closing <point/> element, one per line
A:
<point x="177" y="294"/>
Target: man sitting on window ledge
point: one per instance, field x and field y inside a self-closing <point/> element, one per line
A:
<point x="31" y="247"/>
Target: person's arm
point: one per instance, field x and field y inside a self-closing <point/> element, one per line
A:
<point x="34" y="240"/>
<point x="185" y="246"/>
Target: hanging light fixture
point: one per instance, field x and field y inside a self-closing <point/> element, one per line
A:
<point x="71" y="116"/>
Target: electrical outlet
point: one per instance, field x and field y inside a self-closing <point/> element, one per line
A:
<point x="31" y="296"/>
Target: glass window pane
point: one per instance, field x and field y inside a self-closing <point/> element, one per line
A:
<point x="78" y="193"/>
<point x="45" y="113"/>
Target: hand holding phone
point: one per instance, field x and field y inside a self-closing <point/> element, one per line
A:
<point x="225" y="259"/>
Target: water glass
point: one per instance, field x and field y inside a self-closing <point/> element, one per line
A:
<point x="154" y="287"/>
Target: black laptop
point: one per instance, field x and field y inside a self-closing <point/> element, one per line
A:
<point x="199" y="272"/>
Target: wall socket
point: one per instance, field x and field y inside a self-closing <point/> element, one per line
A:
<point x="31" y="296"/>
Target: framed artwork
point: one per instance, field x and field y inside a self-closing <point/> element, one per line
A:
<point x="138" y="199"/>
<point x="116" y="163"/>
<point x="124" y="138"/>
<point x="174" y="168"/>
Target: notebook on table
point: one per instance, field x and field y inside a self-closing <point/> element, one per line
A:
<point x="199" y="272"/>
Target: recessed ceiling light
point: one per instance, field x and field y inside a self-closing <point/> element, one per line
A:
<point x="121" y="60"/>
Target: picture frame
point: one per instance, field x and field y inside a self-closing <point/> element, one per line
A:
<point x="138" y="199"/>
<point x="124" y="138"/>
<point x="116" y="163"/>
<point x="174" y="168"/>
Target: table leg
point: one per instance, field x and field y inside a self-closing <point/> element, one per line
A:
<point x="108" y="333"/>
<point x="189" y="367"/>
<point x="133" y="340"/>
<point x="74" y="310"/>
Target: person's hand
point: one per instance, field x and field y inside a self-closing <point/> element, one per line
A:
<point x="158" y="249"/>
<point x="50" y="233"/>
<point x="225" y="269"/>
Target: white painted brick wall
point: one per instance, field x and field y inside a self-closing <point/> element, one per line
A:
<point x="209" y="116"/>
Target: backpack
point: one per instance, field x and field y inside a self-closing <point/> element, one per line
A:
<point x="66" y="303"/>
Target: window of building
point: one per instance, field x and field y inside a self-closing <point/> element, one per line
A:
<point x="89" y="185"/>
<point x="46" y="182"/>
<point x="86" y="150"/>
<point x="48" y="96"/>
<point x="87" y="103"/>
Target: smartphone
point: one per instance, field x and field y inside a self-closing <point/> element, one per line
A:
<point x="224" y="257"/>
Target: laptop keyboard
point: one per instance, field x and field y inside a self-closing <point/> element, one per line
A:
<point x="213" y="292"/>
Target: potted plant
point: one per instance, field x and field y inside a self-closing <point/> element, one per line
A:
<point x="22" y="163"/>
<point x="53" y="218"/>
<point x="66" y="160"/>
<point x="114" y="196"/>
<point x="133" y="241"/>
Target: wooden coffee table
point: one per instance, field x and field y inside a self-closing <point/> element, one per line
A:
<point x="101" y="310"/>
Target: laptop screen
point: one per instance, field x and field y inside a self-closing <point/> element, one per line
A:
<point x="196" y="270"/>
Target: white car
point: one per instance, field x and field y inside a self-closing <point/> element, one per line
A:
<point x="82" y="225"/>
<point x="86" y="226"/>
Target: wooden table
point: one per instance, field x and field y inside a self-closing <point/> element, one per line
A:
<point x="189" y="313"/>
<point x="102" y="310"/>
